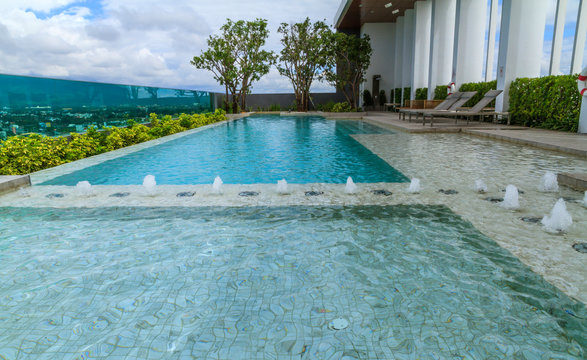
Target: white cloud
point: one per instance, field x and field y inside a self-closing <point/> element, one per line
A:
<point x="143" y="42"/>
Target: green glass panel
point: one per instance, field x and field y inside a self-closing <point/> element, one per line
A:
<point x="54" y="107"/>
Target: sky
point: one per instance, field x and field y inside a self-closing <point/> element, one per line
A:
<point x="138" y="42"/>
<point x="151" y="42"/>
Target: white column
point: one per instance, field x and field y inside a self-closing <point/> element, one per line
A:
<point x="583" y="116"/>
<point x="470" y="25"/>
<point x="557" y="37"/>
<point x="491" y="41"/>
<point x="408" y="52"/>
<point x="580" y="34"/>
<point x="442" y="43"/>
<point x="422" y="22"/>
<point x="399" y="59"/>
<point x="520" y="45"/>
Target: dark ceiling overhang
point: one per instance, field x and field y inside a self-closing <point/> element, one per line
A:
<point x="352" y="14"/>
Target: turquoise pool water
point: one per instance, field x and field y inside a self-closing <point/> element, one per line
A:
<point x="258" y="149"/>
<point x="413" y="282"/>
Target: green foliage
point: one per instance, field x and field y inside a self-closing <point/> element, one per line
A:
<point x="236" y="59"/>
<point x="422" y="94"/>
<point x="440" y="92"/>
<point x="27" y="154"/>
<point x="275" y="107"/>
<point x="326" y="107"/>
<point x="407" y="93"/>
<point x="481" y="88"/>
<point x="397" y="95"/>
<point x="550" y="102"/>
<point x="367" y="98"/>
<point x="382" y="97"/>
<point x="342" y="107"/>
<point x="348" y="58"/>
<point x="303" y="57"/>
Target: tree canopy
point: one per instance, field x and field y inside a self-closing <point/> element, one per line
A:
<point x="236" y="59"/>
<point x="303" y="56"/>
<point x="348" y="59"/>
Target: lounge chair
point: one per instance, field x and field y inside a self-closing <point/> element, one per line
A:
<point x="476" y="110"/>
<point x="463" y="98"/>
<point x="444" y="105"/>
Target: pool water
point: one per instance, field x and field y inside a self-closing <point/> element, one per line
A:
<point x="411" y="281"/>
<point x="257" y="149"/>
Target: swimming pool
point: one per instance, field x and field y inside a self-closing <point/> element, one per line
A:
<point x="257" y="149"/>
<point x="268" y="282"/>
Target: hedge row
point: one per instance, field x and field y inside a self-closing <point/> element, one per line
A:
<point x="550" y="102"/>
<point x="26" y="154"/>
<point x="422" y="94"/>
<point x="481" y="88"/>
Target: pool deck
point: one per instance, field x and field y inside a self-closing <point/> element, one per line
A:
<point x="570" y="143"/>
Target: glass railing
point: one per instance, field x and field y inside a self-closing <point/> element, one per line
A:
<point x="55" y="107"/>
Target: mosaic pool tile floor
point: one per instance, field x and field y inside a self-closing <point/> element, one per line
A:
<point x="412" y="282"/>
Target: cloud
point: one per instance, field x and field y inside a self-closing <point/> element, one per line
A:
<point x="142" y="42"/>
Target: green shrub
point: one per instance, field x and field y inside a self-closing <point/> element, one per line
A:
<point x="440" y="92"/>
<point x="407" y="92"/>
<point x="481" y="88"/>
<point x="397" y="95"/>
<point x="382" y="97"/>
<point x="275" y="107"/>
<point x="26" y="154"/>
<point x="367" y="98"/>
<point x="342" y="107"/>
<point x="422" y="94"/>
<point x="326" y="107"/>
<point x="550" y="102"/>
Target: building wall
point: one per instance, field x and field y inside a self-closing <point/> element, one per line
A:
<point x="383" y="55"/>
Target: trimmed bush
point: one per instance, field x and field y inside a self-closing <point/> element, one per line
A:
<point x="550" y="102"/>
<point x="397" y="95"/>
<point x="440" y="92"/>
<point x="26" y="154"/>
<point x="382" y="97"/>
<point x="422" y="94"/>
<point x="367" y="98"/>
<point x="407" y="92"/>
<point x="481" y="88"/>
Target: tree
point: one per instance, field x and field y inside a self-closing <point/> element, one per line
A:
<point x="236" y="58"/>
<point x="349" y="57"/>
<point x="303" y="56"/>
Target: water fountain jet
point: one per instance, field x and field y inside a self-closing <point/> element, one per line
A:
<point x="350" y="187"/>
<point x="511" y="198"/>
<point x="217" y="185"/>
<point x="84" y="188"/>
<point x="149" y="185"/>
<point x="480" y="186"/>
<point x="282" y="187"/>
<point x="548" y="183"/>
<point x="559" y="219"/>
<point x="414" y="186"/>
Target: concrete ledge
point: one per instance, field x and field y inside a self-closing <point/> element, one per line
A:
<point x="13" y="182"/>
<point x="574" y="181"/>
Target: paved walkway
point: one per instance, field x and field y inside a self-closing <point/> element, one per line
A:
<point x="570" y="143"/>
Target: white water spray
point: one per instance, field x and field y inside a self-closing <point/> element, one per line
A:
<point x="150" y="185"/>
<point x="480" y="186"/>
<point x="217" y="185"/>
<point x="84" y="188"/>
<point x="282" y="187"/>
<point x="511" y="198"/>
<point x="414" y="186"/>
<point x="350" y="187"/>
<point x="548" y="183"/>
<point x="559" y="219"/>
